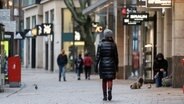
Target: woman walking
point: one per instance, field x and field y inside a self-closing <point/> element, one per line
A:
<point x="87" y="65"/>
<point x="107" y="60"/>
<point x="79" y="65"/>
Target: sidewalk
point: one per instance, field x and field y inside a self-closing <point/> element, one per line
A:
<point x="51" y="91"/>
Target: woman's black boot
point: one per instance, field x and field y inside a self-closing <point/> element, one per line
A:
<point x="109" y="95"/>
<point x="105" y="96"/>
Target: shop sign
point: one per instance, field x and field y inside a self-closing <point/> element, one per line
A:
<point x="131" y="10"/>
<point x="44" y="29"/>
<point x="99" y="29"/>
<point x="28" y="33"/>
<point x="126" y="21"/>
<point x="159" y="3"/>
<point x="141" y="3"/>
<point x="7" y="36"/>
<point x="138" y="16"/>
<point x="47" y="29"/>
<point x="77" y="36"/>
<point x="39" y="29"/>
<point x="124" y="11"/>
<point x="18" y="35"/>
<point x="128" y="10"/>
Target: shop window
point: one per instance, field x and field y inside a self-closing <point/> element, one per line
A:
<point x="67" y="21"/>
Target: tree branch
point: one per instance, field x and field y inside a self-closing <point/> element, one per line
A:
<point x="71" y="6"/>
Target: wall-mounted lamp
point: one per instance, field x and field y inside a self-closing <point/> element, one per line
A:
<point x="34" y="31"/>
<point x="10" y="3"/>
<point x="163" y="11"/>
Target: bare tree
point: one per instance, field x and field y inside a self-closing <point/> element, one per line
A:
<point x="84" y="23"/>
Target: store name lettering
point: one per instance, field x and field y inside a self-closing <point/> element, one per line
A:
<point x="139" y="16"/>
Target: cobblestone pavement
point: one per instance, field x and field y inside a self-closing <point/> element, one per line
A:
<point x="51" y="91"/>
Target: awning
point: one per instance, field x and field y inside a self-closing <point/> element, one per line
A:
<point x="99" y="5"/>
<point x="95" y="6"/>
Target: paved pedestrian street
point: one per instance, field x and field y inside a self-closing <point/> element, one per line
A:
<point x="73" y="91"/>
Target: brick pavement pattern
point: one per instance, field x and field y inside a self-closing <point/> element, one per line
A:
<point x="73" y="91"/>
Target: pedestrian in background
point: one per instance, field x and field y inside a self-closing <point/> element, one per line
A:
<point x="160" y="66"/>
<point x="62" y="61"/>
<point x="79" y="65"/>
<point x="107" y="60"/>
<point x="87" y="65"/>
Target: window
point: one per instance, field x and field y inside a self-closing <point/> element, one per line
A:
<point x="28" y="23"/>
<point x="47" y="17"/>
<point x="52" y="16"/>
<point x="28" y="2"/>
<point x="33" y="21"/>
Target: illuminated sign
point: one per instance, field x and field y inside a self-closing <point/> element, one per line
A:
<point x="99" y="29"/>
<point x="44" y="29"/>
<point x="28" y="34"/>
<point x="47" y="28"/>
<point x="159" y="3"/>
<point x="18" y="35"/>
<point x="77" y="36"/>
<point x="8" y="36"/>
<point x="39" y="29"/>
<point x="138" y="16"/>
<point x="135" y="18"/>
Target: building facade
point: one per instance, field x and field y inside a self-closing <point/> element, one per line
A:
<point x="140" y="40"/>
<point x="39" y="52"/>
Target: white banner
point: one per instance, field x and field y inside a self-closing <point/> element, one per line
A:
<point x="159" y="3"/>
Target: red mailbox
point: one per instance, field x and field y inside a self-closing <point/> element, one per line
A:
<point x="14" y="71"/>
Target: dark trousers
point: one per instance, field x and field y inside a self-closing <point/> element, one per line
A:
<point x="87" y="72"/>
<point x="158" y="79"/>
<point x="79" y="71"/>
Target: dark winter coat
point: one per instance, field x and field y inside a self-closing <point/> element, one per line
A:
<point x="79" y="64"/>
<point x="107" y="59"/>
<point x="160" y="64"/>
<point x="62" y="60"/>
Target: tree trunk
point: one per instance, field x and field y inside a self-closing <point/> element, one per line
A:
<point x="84" y="23"/>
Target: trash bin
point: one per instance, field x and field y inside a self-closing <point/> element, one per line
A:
<point x="14" y="71"/>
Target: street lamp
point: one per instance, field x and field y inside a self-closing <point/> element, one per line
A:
<point x="8" y="4"/>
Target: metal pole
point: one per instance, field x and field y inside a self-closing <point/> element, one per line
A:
<point x="116" y="19"/>
<point x="19" y="41"/>
<point x="73" y="48"/>
<point x="52" y="52"/>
